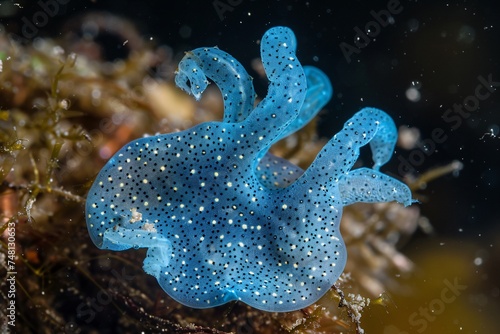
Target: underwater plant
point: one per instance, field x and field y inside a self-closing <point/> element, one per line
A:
<point x="221" y="217"/>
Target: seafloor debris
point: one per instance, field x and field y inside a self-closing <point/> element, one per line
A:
<point x="62" y="116"/>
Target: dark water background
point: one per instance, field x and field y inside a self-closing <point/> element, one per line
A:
<point x="440" y="50"/>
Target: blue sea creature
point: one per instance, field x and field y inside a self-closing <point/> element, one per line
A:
<point x="221" y="218"/>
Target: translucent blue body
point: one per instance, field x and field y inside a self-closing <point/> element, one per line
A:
<point x="223" y="219"/>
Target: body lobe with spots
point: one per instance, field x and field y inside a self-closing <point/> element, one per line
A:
<point x="223" y="219"/>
